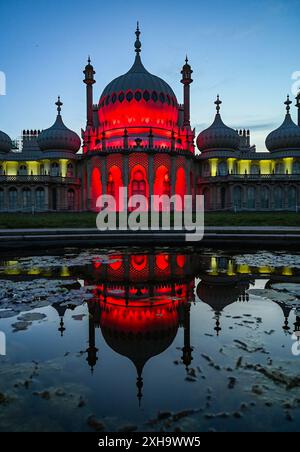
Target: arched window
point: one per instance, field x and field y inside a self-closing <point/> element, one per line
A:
<point x="54" y="169"/>
<point x="296" y="167"/>
<point x="26" y="198"/>
<point x="265" y="198"/>
<point x="206" y="194"/>
<point x="222" y="169"/>
<point x="138" y="184"/>
<point x="206" y="169"/>
<point x="278" y="198"/>
<point x="237" y="198"/>
<point x="40" y="198"/>
<point x="254" y="169"/>
<point x="223" y="198"/>
<point x="279" y="168"/>
<point x="111" y="185"/>
<point x="70" y="170"/>
<point x="251" y="193"/>
<point x="23" y="170"/>
<point x="1" y="199"/>
<point x="13" y="199"/>
<point x="292" y="198"/>
<point x="71" y="199"/>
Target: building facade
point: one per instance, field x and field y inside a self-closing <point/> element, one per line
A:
<point x="138" y="136"/>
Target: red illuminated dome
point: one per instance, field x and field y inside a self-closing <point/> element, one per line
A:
<point x="138" y="99"/>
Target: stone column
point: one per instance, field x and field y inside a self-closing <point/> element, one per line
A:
<point x="188" y="176"/>
<point x="173" y="175"/>
<point x="47" y="207"/>
<point x="103" y="169"/>
<point x="89" y="168"/>
<point x="150" y="177"/>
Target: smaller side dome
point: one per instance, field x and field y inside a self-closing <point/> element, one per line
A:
<point x="5" y="143"/>
<point x="218" y="136"/>
<point x="287" y="136"/>
<point x="59" y="137"/>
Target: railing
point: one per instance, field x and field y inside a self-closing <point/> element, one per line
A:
<point x="40" y="179"/>
<point x="252" y="177"/>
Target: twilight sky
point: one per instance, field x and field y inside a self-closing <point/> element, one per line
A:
<point x="244" y="51"/>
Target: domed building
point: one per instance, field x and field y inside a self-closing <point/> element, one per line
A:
<point x="44" y="175"/>
<point x="139" y="136"/>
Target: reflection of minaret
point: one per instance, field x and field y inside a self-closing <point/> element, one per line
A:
<point x="221" y="291"/>
<point x="92" y="350"/>
<point x="187" y="349"/>
<point x="218" y="328"/>
<point x="61" y="310"/>
<point x="297" y="325"/>
<point x="286" y="310"/>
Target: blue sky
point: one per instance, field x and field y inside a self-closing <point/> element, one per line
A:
<point x="244" y="51"/>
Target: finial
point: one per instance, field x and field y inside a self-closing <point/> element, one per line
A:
<point x="59" y="105"/>
<point x="186" y="59"/>
<point x="89" y="60"/>
<point x="288" y="102"/>
<point x="218" y="103"/>
<point x="138" y="44"/>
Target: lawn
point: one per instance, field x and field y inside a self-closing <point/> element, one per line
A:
<point x="88" y="220"/>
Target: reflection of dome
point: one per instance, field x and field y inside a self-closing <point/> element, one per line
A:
<point x="287" y="136"/>
<point x="59" y="136"/>
<point x="5" y="142"/>
<point x="139" y="333"/>
<point x="219" y="293"/>
<point x="218" y="135"/>
<point x="138" y="98"/>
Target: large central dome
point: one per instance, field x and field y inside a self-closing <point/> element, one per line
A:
<point x="138" y="99"/>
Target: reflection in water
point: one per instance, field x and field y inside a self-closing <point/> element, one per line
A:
<point x="142" y="304"/>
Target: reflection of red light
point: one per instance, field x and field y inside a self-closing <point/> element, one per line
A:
<point x="180" y="259"/>
<point x="117" y="262"/>
<point x="139" y="320"/>
<point x="162" y="261"/>
<point x="139" y="262"/>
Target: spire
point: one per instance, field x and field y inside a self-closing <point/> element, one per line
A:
<point x="138" y="44"/>
<point x="59" y="105"/>
<point x="288" y="103"/>
<point x="218" y="104"/>
<point x="140" y="385"/>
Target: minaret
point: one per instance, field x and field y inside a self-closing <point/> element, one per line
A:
<point x="89" y="81"/>
<point x="298" y="106"/>
<point x="186" y="81"/>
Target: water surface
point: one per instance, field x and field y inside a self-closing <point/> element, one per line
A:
<point x="132" y="339"/>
